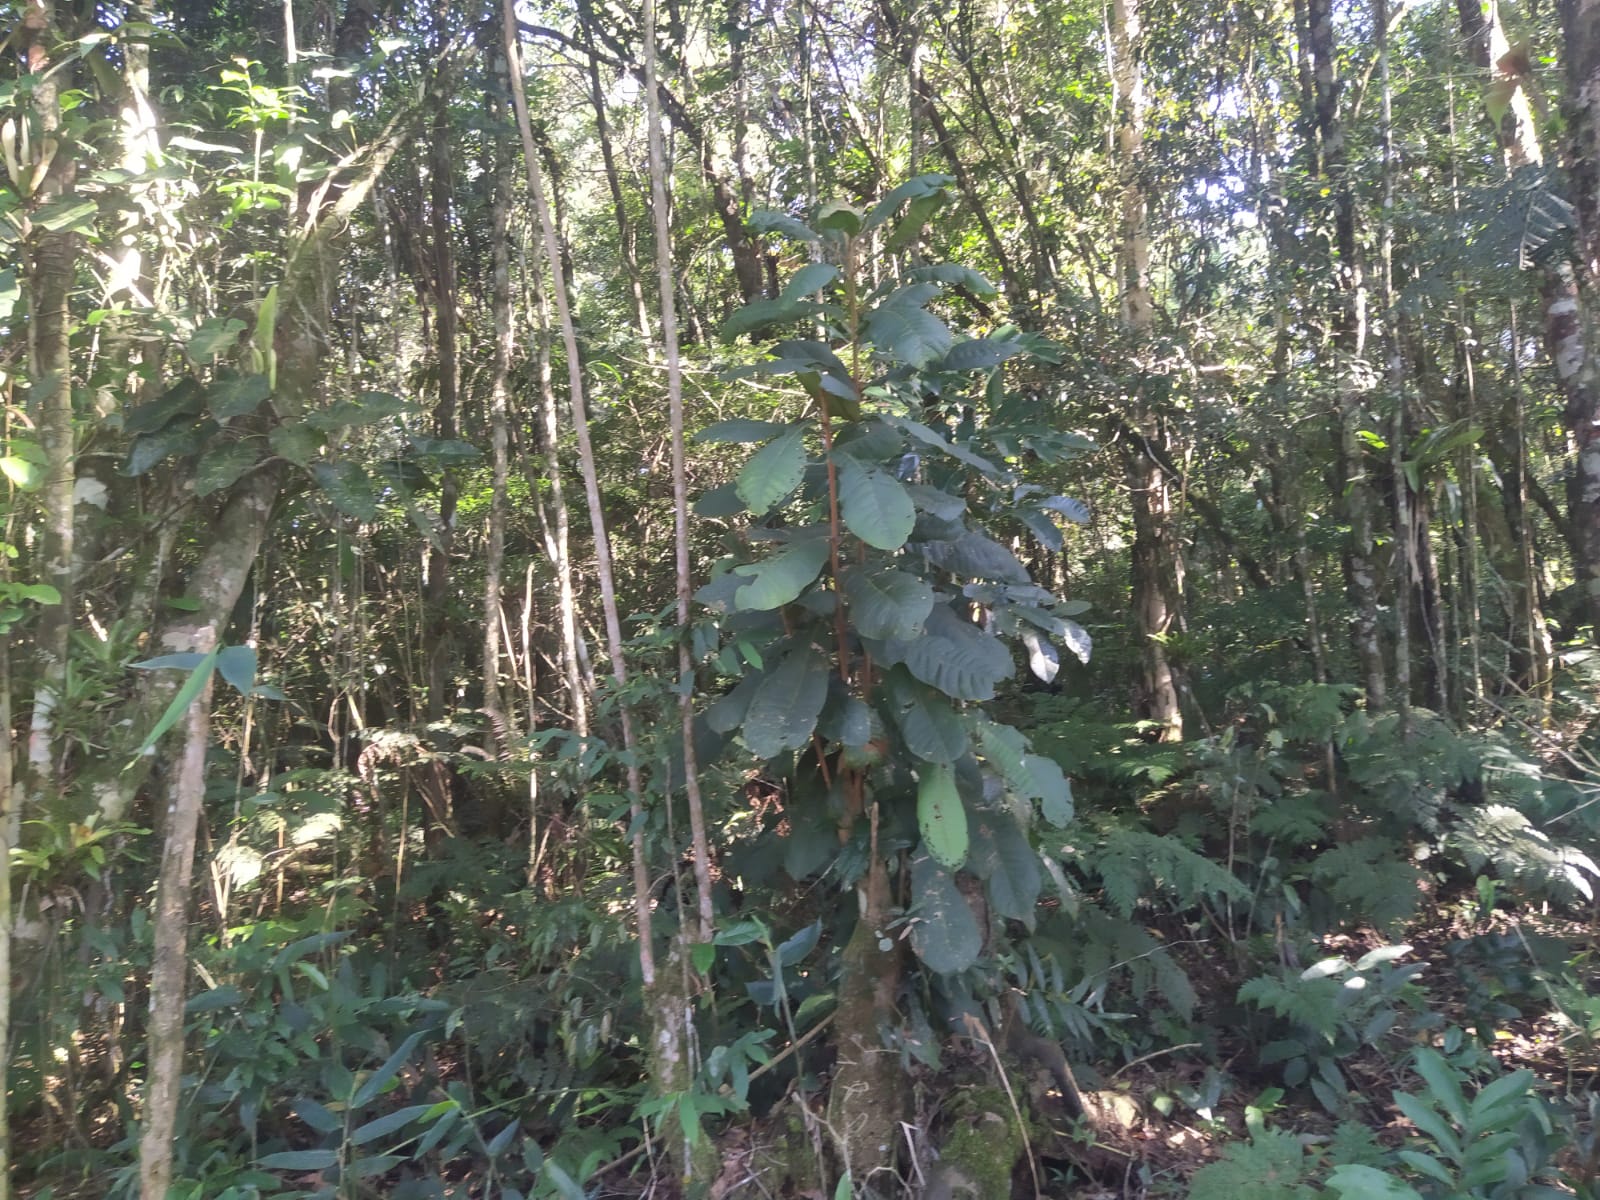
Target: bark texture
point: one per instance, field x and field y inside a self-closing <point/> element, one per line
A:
<point x="1157" y="578"/>
<point x="1350" y="343"/>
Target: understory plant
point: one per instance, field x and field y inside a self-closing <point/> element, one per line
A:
<point x="866" y="614"/>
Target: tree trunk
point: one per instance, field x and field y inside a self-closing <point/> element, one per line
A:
<point x="443" y="288"/>
<point x="1571" y="300"/>
<point x="50" y="265"/>
<point x="661" y="1034"/>
<point x="1157" y="576"/>
<point x="1350" y="338"/>
<point x="169" y="967"/>
<point x="619" y="205"/>
<point x="494" y="696"/>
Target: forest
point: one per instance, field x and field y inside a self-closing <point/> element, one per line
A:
<point x="800" y="599"/>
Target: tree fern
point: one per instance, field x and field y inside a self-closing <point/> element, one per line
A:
<point x="1134" y="866"/>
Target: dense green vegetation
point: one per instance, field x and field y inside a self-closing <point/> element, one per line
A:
<point x="835" y="598"/>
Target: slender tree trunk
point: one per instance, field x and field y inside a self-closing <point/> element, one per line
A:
<point x="1404" y="529"/>
<point x="1156" y="569"/>
<point x="494" y="696"/>
<point x="556" y="520"/>
<point x="674" y="1071"/>
<point x="7" y="839"/>
<point x="659" y="171"/>
<point x="597" y="517"/>
<point x="1350" y="341"/>
<point x="441" y="206"/>
<point x="619" y="205"/>
<point x="170" y="963"/>
<point x="299" y="346"/>
<point x="50" y="264"/>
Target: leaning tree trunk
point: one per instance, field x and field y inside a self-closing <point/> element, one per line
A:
<point x="300" y="347"/>
<point x="1156" y="566"/>
<point x="664" y="1041"/>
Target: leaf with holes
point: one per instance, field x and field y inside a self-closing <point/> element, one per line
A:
<point x="945" y="934"/>
<point x="941" y="817"/>
<point x="928" y="722"/>
<point x="783" y="711"/>
<point x="874" y="504"/>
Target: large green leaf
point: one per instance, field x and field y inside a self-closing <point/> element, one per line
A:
<point x="945" y="935"/>
<point x="214" y="337"/>
<point x="887" y="605"/>
<point x="955" y="656"/>
<point x="297" y="443"/>
<point x="779" y="580"/>
<point x="812" y="277"/>
<point x="1051" y="788"/>
<point x="767" y="221"/>
<point x="930" y="437"/>
<point x="941" y="816"/>
<point x="928" y="722"/>
<point x="783" y="711"/>
<point x="1003" y="858"/>
<point x="728" y="712"/>
<point x="176" y="439"/>
<point x="1030" y="776"/>
<point x="759" y="314"/>
<point x="976" y="556"/>
<point x="846" y="720"/>
<point x="874" y="504"/>
<point x="236" y="395"/>
<point x="957" y="276"/>
<point x="367" y="408"/>
<point x="904" y="331"/>
<point x="773" y="471"/>
<point x="221" y="466"/>
<point x="740" y="429"/>
<point x="67" y="213"/>
<point x="980" y="354"/>
<point x="347" y="485"/>
<point x="299" y="1160"/>
<point x="916" y="188"/>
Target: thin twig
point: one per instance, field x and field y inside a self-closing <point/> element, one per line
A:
<point x="1144" y="1058"/>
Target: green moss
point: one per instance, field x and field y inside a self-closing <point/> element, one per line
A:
<point x="983" y="1145"/>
